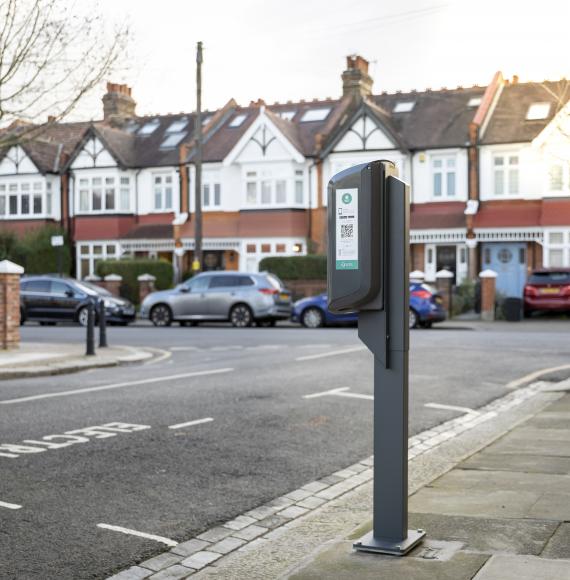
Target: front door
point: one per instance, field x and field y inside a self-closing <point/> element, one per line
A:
<point x="446" y="259"/>
<point x="509" y="261"/>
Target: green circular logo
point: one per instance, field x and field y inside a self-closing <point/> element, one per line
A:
<point x="346" y="198"/>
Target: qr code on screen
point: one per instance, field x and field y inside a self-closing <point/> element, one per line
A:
<point x="347" y="231"/>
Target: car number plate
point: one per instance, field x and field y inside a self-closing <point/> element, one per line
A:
<point x="284" y="297"/>
<point x="549" y="290"/>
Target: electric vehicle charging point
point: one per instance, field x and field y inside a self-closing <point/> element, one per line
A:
<point x="367" y="272"/>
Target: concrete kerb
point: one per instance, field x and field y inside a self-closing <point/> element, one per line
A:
<point x="278" y="537"/>
<point x="113" y="356"/>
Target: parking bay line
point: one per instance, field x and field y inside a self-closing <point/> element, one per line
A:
<point x="115" y="386"/>
<point x="130" y="532"/>
<point x="191" y="423"/>
<point x="331" y="353"/>
<point x="342" y="392"/>
<point x="10" y="506"/>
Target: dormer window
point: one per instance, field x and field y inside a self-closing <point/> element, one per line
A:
<point x="237" y="120"/>
<point x="403" y="106"/>
<point x="149" y="128"/>
<point x="538" y="111"/>
<point x="287" y="115"/>
<point x="315" y="115"/>
<point x="177" y="126"/>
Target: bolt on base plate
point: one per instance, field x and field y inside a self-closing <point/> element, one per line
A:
<point x="369" y="543"/>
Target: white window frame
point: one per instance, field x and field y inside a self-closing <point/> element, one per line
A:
<point x="20" y="188"/>
<point x="83" y="185"/>
<point x="551" y="244"/>
<point x="249" y="261"/>
<point x="505" y="169"/>
<point x="564" y="180"/>
<point x="211" y="203"/>
<point x="448" y="167"/>
<point x="86" y="252"/>
<point x="160" y="188"/>
<point x="287" y="181"/>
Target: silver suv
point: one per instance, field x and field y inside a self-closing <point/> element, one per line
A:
<point x="238" y="297"/>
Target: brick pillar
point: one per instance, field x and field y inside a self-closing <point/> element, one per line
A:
<point x="112" y="282"/>
<point x="10" y="304"/>
<point x="443" y="283"/>
<point x="488" y="279"/>
<point x="94" y="279"/>
<point x="146" y="285"/>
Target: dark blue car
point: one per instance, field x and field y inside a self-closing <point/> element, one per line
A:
<point x="425" y="308"/>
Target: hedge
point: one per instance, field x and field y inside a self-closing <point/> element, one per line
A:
<point x="34" y="250"/>
<point x="296" y="267"/>
<point x="130" y="270"/>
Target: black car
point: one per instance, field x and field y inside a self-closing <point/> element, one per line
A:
<point x="51" y="299"/>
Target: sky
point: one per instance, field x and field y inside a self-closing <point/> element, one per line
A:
<point x="296" y="49"/>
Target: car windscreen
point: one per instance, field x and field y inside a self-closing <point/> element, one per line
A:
<point x="92" y="289"/>
<point x="549" y="278"/>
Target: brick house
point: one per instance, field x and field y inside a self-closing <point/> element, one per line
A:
<point x="488" y="168"/>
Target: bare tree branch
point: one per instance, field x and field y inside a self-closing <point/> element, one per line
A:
<point x="51" y="57"/>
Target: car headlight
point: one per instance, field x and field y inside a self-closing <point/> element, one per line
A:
<point x="110" y="304"/>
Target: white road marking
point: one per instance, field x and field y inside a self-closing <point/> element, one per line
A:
<point x="330" y="353"/>
<point x="342" y="392"/>
<point x="10" y="506"/>
<point x="130" y="532"/>
<point x="451" y="408"/>
<point x="191" y="423"/>
<point x="183" y="348"/>
<point x="531" y="376"/>
<point x="115" y="386"/>
<point x="164" y="354"/>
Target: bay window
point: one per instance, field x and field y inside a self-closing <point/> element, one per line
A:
<point x="285" y="187"/>
<point x="25" y="199"/>
<point x="557" y="249"/>
<point x="211" y="195"/>
<point x="107" y="194"/>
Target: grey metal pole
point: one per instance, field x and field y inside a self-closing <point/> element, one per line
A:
<point x="90" y="339"/>
<point x="197" y="266"/>
<point x="102" y="325"/>
<point x="386" y="334"/>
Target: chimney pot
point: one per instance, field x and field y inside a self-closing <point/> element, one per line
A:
<point x="356" y="81"/>
<point x="118" y="104"/>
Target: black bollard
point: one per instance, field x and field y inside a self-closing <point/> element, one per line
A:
<point x="102" y="325"/>
<point x="90" y="351"/>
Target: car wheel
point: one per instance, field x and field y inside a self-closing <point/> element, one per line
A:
<point x="413" y="319"/>
<point x="266" y="323"/>
<point x="161" y="315"/>
<point x="83" y="315"/>
<point x="240" y="316"/>
<point x="312" y="318"/>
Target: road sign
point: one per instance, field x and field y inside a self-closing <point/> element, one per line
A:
<point x="57" y="241"/>
<point x="367" y="272"/>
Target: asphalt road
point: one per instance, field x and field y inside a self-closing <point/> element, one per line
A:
<point x="150" y="472"/>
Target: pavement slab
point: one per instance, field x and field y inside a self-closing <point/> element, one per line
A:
<point x="489" y="535"/>
<point x="339" y="561"/>
<point x="518" y="462"/>
<point x="506" y="567"/>
<point x="559" y="544"/>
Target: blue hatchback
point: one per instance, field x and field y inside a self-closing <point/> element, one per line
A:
<point x="425" y="308"/>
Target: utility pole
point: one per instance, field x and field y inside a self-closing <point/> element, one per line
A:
<point x="197" y="262"/>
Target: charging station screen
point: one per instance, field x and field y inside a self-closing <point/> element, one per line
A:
<point x="347" y="229"/>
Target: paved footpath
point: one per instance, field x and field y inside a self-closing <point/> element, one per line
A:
<point x="492" y="489"/>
